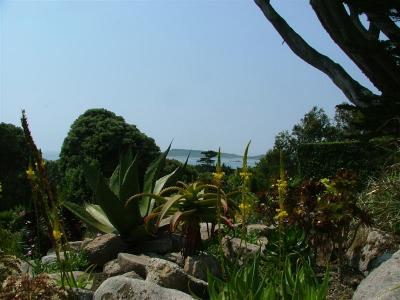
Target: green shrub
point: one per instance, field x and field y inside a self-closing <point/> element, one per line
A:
<point x="76" y="261"/>
<point x="10" y="242"/>
<point x="14" y="158"/>
<point x="319" y="160"/>
<point x="381" y="198"/>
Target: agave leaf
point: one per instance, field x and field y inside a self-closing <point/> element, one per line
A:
<point x="171" y="201"/>
<point x="175" y="220"/>
<point x="162" y="181"/>
<point x="113" y="208"/>
<point x="149" y="180"/>
<point x="130" y="183"/>
<point x="97" y="213"/>
<point x="125" y="161"/>
<point x="82" y="214"/>
<point x="114" y="181"/>
<point x="159" y="186"/>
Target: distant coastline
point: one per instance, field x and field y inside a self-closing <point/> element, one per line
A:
<point x="229" y="159"/>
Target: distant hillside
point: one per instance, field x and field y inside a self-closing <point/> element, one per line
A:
<point x="197" y="153"/>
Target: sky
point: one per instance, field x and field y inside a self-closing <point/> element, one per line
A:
<point x="203" y="73"/>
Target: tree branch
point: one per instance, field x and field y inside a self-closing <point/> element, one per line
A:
<point x="369" y="55"/>
<point x="354" y="91"/>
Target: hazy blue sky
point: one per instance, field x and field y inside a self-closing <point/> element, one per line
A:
<point x="204" y="73"/>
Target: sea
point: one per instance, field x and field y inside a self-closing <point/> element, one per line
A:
<point x="234" y="163"/>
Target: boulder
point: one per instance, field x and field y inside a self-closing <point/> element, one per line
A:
<point x="51" y="257"/>
<point x="112" y="268"/>
<point x="123" y="288"/>
<point x="104" y="248"/>
<point x="165" y="243"/>
<point x="198" y="266"/>
<point x="260" y="228"/>
<point x="370" y="248"/>
<point x="75" y="245"/>
<point x="382" y="283"/>
<point x="132" y="275"/>
<point x="170" y="275"/>
<point x="80" y="294"/>
<point x="235" y="247"/>
<point x="175" y="257"/>
<point x="137" y="263"/>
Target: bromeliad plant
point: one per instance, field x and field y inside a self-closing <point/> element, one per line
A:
<point x="112" y="212"/>
<point x="190" y="205"/>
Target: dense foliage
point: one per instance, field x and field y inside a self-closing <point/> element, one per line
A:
<point x="14" y="158"/>
<point x="99" y="135"/>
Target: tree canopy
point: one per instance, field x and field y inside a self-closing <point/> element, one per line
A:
<point x="100" y="135"/>
<point x="14" y="159"/>
<point x="374" y="46"/>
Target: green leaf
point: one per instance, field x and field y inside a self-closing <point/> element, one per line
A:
<point x="149" y="180"/>
<point x="130" y="187"/>
<point x="97" y="213"/>
<point x="113" y="208"/>
<point x="82" y="214"/>
<point x="114" y="181"/>
<point x="171" y="201"/>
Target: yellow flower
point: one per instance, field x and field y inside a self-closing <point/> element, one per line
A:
<point x="30" y="173"/>
<point x="217" y="176"/>
<point x="244" y="207"/>
<point x="282" y="186"/>
<point x="57" y="234"/>
<point x="282" y="215"/>
<point x="245" y="175"/>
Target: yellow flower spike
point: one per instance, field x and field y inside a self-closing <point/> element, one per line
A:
<point x="245" y="175"/>
<point x="281" y="215"/>
<point x="30" y="172"/>
<point x="217" y="176"/>
<point x="57" y="234"/>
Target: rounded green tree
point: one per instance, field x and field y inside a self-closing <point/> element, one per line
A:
<point x="100" y="135"/>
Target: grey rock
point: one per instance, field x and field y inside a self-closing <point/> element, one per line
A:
<point x="131" y="262"/>
<point x="123" y="288"/>
<point x="170" y="275"/>
<point x="175" y="257"/>
<point x="26" y="268"/>
<point x="51" y="257"/>
<point x="198" y="266"/>
<point x="234" y="247"/>
<point x="80" y="294"/>
<point x="382" y="283"/>
<point x="132" y="275"/>
<point x="75" y="245"/>
<point x="98" y="279"/>
<point x="104" y="248"/>
<point x="368" y="247"/>
<point x="112" y="268"/>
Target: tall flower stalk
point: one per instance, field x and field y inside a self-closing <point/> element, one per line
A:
<point x="46" y="204"/>
<point x="217" y="180"/>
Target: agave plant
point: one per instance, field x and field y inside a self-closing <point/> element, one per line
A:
<point x="110" y="214"/>
<point x="189" y="205"/>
